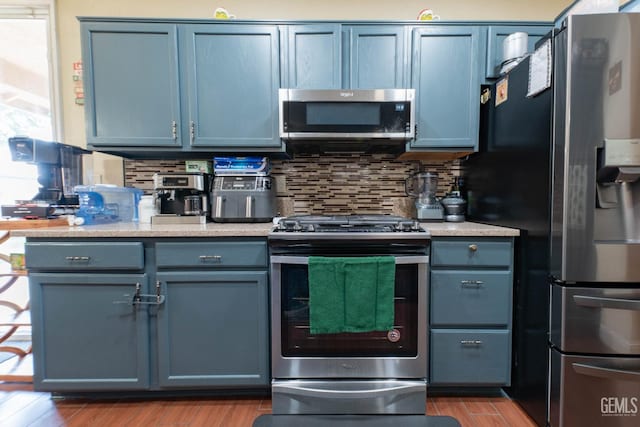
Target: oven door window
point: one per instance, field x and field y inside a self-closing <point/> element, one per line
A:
<point x="298" y="341"/>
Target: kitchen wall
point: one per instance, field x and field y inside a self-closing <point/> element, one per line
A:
<point x="338" y="184"/>
<point x="387" y="173"/>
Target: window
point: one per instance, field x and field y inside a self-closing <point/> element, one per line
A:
<point x="28" y="89"/>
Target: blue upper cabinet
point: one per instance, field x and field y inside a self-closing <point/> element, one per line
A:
<point x="230" y="83"/>
<point x="495" y="40"/>
<point x="312" y="57"/>
<point x="376" y="57"/>
<point x="446" y="76"/>
<point x="335" y="56"/>
<point x="131" y="84"/>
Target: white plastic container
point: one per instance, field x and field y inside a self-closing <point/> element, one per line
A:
<point x="146" y="209"/>
<point x="515" y="46"/>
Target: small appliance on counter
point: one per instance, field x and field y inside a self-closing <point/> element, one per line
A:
<point x="181" y="198"/>
<point x="59" y="172"/>
<point x="242" y="190"/>
<point x="423" y="186"/>
<point x="454" y="207"/>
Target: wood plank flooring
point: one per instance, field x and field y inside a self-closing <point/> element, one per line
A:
<point x="20" y="406"/>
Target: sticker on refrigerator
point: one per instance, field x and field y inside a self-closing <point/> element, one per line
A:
<point x="502" y="91"/>
<point x="615" y="78"/>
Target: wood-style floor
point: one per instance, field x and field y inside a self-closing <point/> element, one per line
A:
<point x="20" y="406"/>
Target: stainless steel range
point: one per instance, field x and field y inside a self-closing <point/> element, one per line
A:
<point x="372" y="372"/>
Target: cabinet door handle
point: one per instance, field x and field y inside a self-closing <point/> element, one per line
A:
<point x="473" y="247"/>
<point x="148" y="299"/>
<point x="471" y="343"/>
<point x="471" y="283"/>
<point x="211" y="258"/>
<point x="78" y="258"/>
<point x="129" y="299"/>
<point x="192" y="131"/>
<point x="174" y="130"/>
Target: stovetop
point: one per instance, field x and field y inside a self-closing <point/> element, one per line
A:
<point x="347" y="224"/>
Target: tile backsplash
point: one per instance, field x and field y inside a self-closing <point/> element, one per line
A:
<point x="327" y="184"/>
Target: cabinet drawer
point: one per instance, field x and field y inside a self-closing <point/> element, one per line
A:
<point x="471" y="253"/>
<point x="211" y="254"/>
<point x="470" y="297"/>
<point x="71" y="256"/>
<point x="473" y="357"/>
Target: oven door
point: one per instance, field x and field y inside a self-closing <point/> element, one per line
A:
<point x="399" y="353"/>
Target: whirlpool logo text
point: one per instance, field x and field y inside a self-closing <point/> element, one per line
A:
<point x="619" y="406"/>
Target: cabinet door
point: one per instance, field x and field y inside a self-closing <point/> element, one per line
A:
<point x="376" y="57"/>
<point x="231" y="75"/>
<point x="131" y="85"/>
<point x="213" y="329"/>
<point x="313" y="57"/>
<point x="495" y="38"/>
<point x="446" y="76"/>
<point x="87" y="335"/>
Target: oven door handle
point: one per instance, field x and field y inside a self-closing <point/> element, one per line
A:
<point x="397" y="387"/>
<point x="303" y="260"/>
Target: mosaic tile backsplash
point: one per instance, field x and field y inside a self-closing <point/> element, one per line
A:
<point x="327" y="184"/>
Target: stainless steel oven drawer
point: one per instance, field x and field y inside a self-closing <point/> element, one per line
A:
<point x="473" y="297"/>
<point x="470" y="356"/>
<point x="211" y="254"/>
<point x="594" y="391"/>
<point x="349" y="397"/>
<point x="596" y="320"/>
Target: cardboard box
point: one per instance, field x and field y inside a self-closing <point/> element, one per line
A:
<point x="203" y="166"/>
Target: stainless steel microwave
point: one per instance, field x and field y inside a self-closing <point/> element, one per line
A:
<point x="347" y="114"/>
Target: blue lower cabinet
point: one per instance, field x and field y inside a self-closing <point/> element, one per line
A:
<point x="470" y="357"/>
<point x="471" y="300"/>
<point x="87" y="335"/>
<point x="213" y="329"/>
<point x="154" y="327"/>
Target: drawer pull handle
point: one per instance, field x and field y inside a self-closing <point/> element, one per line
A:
<point x="211" y="258"/>
<point x="471" y="284"/>
<point x="78" y="258"/>
<point x="471" y="343"/>
<point x="473" y="247"/>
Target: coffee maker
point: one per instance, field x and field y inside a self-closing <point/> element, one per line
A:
<point x="59" y="171"/>
<point x="181" y="198"/>
<point x="423" y="186"/>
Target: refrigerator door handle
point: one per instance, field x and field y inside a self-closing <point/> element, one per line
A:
<point x="606" y="373"/>
<point x="599" y="302"/>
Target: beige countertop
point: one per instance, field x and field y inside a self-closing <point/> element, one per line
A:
<point x="470" y="229"/>
<point x="122" y="229"/>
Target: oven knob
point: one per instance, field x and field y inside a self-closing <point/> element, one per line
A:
<point x="393" y="335"/>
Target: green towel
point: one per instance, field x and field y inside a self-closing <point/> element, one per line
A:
<point x="351" y="294"/>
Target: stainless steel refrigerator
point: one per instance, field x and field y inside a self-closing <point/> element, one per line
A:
<point x="563" y="166"/>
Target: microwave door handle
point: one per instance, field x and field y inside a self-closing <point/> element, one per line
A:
<point x="606" y="373"/>
<point x="303" y="260"/>
<point x="218" y="207"/>
<point x="599" y="302"/>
